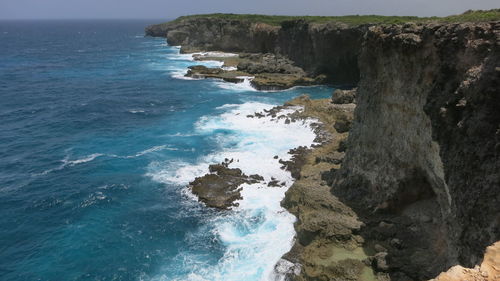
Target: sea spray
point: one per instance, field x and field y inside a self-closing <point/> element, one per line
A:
<point x="75" y="89"/>
<point x="257" y="232"/>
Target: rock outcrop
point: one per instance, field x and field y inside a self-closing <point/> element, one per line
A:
<point x="266" y="72"/>
<point x="328" y="244"/>
<point x="221" y="187"/>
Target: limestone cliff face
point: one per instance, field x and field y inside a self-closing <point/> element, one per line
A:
<point x="210" y="34"/>
<point x="330" y="49"/>
<point x="421" y="170"/>
<point x="423" y="159"/>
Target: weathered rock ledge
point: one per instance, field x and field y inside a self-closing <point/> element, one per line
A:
<point x="266" y="72"/>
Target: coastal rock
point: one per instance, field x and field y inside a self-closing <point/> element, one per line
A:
<point x="274" y="81"/>
<point x="327" y="244"/>
<point x="221" y="187"/>
<point x="266" y="72"/>
<point x="203" y="72"/>
<point x="269" y="63"/>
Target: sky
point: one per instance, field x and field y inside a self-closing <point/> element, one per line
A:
<point x="169" y="9"/>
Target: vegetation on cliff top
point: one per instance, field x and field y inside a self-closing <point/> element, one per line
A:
<point x="469" y="16"/>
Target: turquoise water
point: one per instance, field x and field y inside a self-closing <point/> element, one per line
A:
<point x="99" y="137"/>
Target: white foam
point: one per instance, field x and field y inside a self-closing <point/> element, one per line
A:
<point x="134" y="111"/>
<point x="179" y="70"/>
<point x="66" y="162"/>
<point x="86" y="159"/>
<point x="244" y="86"/>
<point x="154" y="149"/>
<point x="176" y="172"/>
<point x="259" y="231"/>
<point x="215" y="54"/>
<point x="229" y="68"/>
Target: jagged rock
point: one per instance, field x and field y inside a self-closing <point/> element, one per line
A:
<point x="269" y="63"/>
<point x="379" y="261"/>
<point x="201" y="69"/>
<point x="343" y="125"/>
<point x="274" y="183"/>
<point x="221" y="187"/>
<point x="295" y="164"/>
<point x="344" y="96"/>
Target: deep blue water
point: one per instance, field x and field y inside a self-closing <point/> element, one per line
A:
<point x="97" y="142"/>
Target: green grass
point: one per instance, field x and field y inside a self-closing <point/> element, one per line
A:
<point x="354" y="20"/>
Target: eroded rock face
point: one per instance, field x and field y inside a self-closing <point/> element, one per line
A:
<point x="422" y="163"/>
<point x="268" y="63"/>
<point x="328" y="246"/>
<point x="329" y="49"/>
<point x="420" y="178"/>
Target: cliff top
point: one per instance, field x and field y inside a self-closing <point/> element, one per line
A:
<point x="354" y="20"/>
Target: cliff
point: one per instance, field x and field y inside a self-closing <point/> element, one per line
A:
<point x="415" y="188"/>
<point x="423" y="154"/>
<point x="319" y="48"/>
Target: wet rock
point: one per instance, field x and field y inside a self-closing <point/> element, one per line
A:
<point x="296" y="162"/>
<point x="202" y="70"/>
<point x="256" y="178"/>
<point x="287" y="268"/>
<point x="221" y="187"/>
<point x="273" y="183"/>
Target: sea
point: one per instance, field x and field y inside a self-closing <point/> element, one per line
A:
<point x="100" y="134"/>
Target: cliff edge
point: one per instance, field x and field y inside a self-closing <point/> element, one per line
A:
<point x="329" y="49"/>
<point x="413" y="188"/>
<point x="422" y="167"/>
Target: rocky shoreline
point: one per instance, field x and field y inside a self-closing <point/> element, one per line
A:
<point x="266" y="72"/>
<point x="405" y="184"/>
